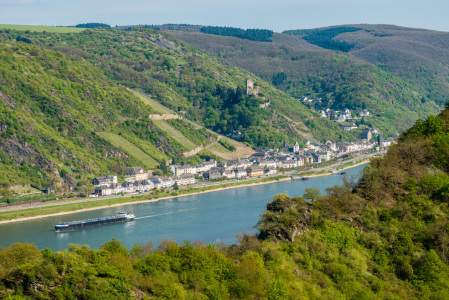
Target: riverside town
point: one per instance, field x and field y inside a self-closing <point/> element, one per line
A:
<point x="263" y="163"/>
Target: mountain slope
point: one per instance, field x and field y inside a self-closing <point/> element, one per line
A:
<point x="340" y="80"/>
<point x="184" y="79"/>
<point x="65" y="122"/>
<point x="419" y="57"/>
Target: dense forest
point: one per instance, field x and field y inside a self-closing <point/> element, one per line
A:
<point x="384" y="237"/>
<point x="326" y="38"/>
<point x="260" y="35"/>
<point x="92" y="25"/>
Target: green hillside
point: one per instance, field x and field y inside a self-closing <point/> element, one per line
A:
<point x="63" y="121"/>
<point x="419" y="57"/>
<point x="339" y="80"/>
<point x="121" y="143"/>
<point x="41" y="28"/>
<point x="184" y="79"/>
<point x="385" y="237"/>
<point x="175" y="134"/>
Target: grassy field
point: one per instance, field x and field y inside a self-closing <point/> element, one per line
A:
<point x="154" y="104"/>
<point x="175" y="134"/>
<point x="242" y="149"/>
<point x="129" y="148"/>
<point x="221" y="151"/>
<point x="41" y="28"/>
<point x="147" y="147"/>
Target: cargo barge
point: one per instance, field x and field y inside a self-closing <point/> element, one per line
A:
<point x="121" y="217"/>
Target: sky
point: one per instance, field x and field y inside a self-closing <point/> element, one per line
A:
<point x="277" y="15"/>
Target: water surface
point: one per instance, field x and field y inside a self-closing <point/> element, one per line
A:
<point x="210" y="217"/>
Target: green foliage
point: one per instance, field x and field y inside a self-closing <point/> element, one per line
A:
<point x="312" y="195"/>
<point x="92" y="25"/>
<point x="187" y="83"/>
<point x="396" y="96"/>
<point x="325" y="38"/>
<point x="227" y="145"/>
<point x="260" y="35"/>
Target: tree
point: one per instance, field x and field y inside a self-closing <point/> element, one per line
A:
<point x="5" y="193"/>
<point x="312" y="194"/>
<point x="163" y="166"/>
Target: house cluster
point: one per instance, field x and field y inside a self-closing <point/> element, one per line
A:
<point x="342" y="116"/>
<point x="235" y="134"/>
<point x="306" y="100"/>
<point x="295" y="156"/>
<point x="137" y="180"/>
<point x="264" y="163"/>
<point x="267" y="162"/>
<point x="241" y="168"/>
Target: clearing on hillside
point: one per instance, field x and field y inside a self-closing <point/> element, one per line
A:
<point x="154" y="104"/>
<point x="175" y="134"/>
<point x="42" y="28"/>
<point x="242" y="149"/>
<point x="221" y="151"/>
<point x="120" y="142"/>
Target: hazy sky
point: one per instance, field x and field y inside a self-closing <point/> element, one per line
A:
<point x="277" y="15"/>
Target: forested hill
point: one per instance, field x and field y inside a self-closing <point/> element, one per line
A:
<point x="400" y="74"/>
<point x="385" y="237"/>
<point x="419" y="57"/>
<point x="55" y="114"/>
<point x="77" y="106"/>
<point x="185" y="79"/>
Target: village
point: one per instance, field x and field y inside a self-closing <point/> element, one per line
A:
<point x="260" y="164"/>
<point x="343" y="116"/>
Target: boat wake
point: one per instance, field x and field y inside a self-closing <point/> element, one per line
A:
<point x="169" y="213"/>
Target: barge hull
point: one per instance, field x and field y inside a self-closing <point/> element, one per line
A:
<point x="83" y="225"/>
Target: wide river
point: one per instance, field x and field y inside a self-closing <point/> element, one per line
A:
<point x="209" y="217"/>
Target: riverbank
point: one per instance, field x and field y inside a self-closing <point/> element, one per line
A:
<point x="66" y="209"/>
<point x="365" y="161"/>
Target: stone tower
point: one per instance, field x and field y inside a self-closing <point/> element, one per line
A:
<point x="249" y="86"/>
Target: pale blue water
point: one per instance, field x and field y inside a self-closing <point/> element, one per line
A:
<point x="211" y="217"/>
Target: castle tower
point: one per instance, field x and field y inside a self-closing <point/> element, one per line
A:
<point x="249" y="86"/>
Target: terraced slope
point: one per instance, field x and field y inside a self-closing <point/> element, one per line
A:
<point x="221" y="151"/>
<point x="156" y="106"/>
<point x="175" y="134"/>
<point x="122" y="143"/>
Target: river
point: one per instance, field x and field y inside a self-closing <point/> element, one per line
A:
<point x="209" y="217"/>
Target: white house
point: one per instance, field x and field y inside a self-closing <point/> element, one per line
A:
<point x="104" y="181"/>
<point x="184" y="179"/>
<point x="156" y="182"/>
<point x="206" y="166"/>
<point x="365" y="113"/>
<point x="180" y="170"/>
<point x="144" y="185"/>
<point x="128" y="187"/>
<point x="240" y="172"/>
<point x="228" y="174"/>
<point x="166" y="182"/>
<point x="136" y="174"/>
<point x="270" y="171"/>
